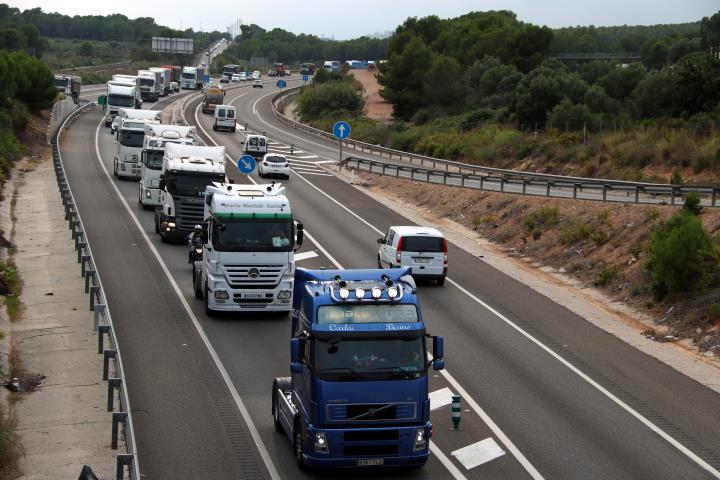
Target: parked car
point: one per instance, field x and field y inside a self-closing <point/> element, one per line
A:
<point x="257" y="83"/>
<point x="274" y="164"/>
<point x="235" y="77"/>
<point x="422" y="249"/>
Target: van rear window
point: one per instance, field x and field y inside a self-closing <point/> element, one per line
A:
<point x="422" y="244"/>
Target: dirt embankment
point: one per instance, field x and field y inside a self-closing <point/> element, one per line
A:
<point x="376" y="106"/>
<point x="597" y="246"/>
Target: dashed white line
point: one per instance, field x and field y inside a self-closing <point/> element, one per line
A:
<point x="478" y="453"/>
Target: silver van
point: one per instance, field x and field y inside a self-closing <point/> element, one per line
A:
<point x="422" y="249"/>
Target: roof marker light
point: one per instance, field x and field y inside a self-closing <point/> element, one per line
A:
<point x="344" y="293"/>
<point x="392" y="292"/>
<point x="376" y="293"/>
<point x="360" y="293"/>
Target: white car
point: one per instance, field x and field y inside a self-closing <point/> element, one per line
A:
<point x="274" y="164"/>
<point x="256" y="74"/>
<point x="174" y="87"/>
<point x="422" y="249"/>
<point x="257" y="83"/>
<point x="235" y="78"/>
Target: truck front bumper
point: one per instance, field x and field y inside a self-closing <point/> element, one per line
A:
<point x="223" y="298"/>
<point x="344" y="452"/>
<point x="150" y="196"/>
<point x="128" y="169"/>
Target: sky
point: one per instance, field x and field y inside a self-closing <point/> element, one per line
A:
<point x="343" y="19"/>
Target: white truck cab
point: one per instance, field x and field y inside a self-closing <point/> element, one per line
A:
<point x="423" y="249"/>
<point x="130" y="136"/>
<point x="249" y="238"/>
<point x="156" y="137"/>
<point x="150" y="85"/>
<point x="255" y="145"/>
<point x="119" y="95"/>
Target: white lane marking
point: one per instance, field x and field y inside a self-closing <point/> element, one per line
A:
<point x="302" y="162"/>
<point x="311" y="173"/>
<point x="326" y="161"/>
<point x="307" y="156"/>
<point x="478" y="453"/>
<point x="503" y="438"/>
<point x="264" y="454"/>
<point x="447" y="463"/>
<point x="474" y="405"/>
<point x="440" y="398"/>
<point x="307" y="168"/>
<point x="305" y="255"/>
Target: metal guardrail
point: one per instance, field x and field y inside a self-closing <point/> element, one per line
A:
<point x="102" y="321"/>
<point x="450" y="168"/>
<point x="564" y="188"/>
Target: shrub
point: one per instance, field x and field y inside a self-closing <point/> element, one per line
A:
<point x="607" y="275"/>
<point x="541" y="218"/>
<point x="320" y="100"/>
<point x="692" y="203"/>
<point x="576" y="232"/>
<point x="682" y="256"/>
<point x="652" y="214"/>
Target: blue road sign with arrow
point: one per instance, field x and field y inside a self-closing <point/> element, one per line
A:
<point x="306" y="77"/>
<point x="246" y="164"/>
<point x="206" y="79"/>
<point x="341" y="130"/>
<point x="281" y="83"/>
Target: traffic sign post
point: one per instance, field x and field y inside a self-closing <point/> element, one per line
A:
<point x="341" y="130"/>
<point x="306" y="77"/>
<point x="206" y="79"/>
<point x="246" y="164"/>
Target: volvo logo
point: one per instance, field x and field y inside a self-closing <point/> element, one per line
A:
<point x="371" y="412"/>
<point x="253" y="273"/>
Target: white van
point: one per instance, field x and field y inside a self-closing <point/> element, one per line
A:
<point x="422" y="249"/>
<point x="224" y="118"/>
<point x="255" y="146"/>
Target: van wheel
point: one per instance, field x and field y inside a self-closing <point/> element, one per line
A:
<point x="297" y="444"/>
<point x="441" y="281"/>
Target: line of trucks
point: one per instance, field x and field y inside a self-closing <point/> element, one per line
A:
<point x="357" y="393"/>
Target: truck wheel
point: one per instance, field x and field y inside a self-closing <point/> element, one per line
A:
<point x="215" y="127"/>
<point x="282" y="384"/>
<point x="297" y="444"/>
<point x="197" y="285"/>
<point x="157" y="223"/>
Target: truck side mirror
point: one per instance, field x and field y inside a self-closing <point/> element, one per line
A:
<point x="300" y="235"/>
<point x="295" y="365"/>
<point x="204" y="234"/>
<point x="380" y="241"/>
<point x="161" y="182"/>
<point x="438" y="347"/>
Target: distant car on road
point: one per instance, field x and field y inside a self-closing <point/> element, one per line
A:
<point x="256" y="74"/>
<point x="235" y="77"/>
<point x="243" y="76"/>
<point x="422" y="249"/>
<point x="274" y="164"/>
<point x="224" y="79"/>
<point x="257" y="83"/>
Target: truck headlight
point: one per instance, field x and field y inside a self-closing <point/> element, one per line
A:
<point x="148" y="193"/>
<point x="221" y="295"/>
<point x="321" y="445"/>
<point x="171" y="224"/>
<point x="420" y="439"/>
<point x="284" y="294"/>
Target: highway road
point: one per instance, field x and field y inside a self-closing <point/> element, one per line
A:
<point x="559" y="397"/>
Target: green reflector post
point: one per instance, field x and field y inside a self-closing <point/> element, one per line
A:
<point x="102" y="100"/>
<point x="456" y="409"/>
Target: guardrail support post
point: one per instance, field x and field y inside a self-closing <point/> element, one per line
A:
<point x="107" y="355"/>
<point x="482" y="180"/>
<point x="712" y="199"/>
<point x="85" y="260"/>
<point x="94" y="290"/>
<point x="604" y="196"/>
<point x="575" y="189"/>
<point x="672" y="195"/>
<point x="90" y="274"/>
<point x="525" y="184"/>
<point x="81" y="246"/>
<point x="123" y="460"/>
<point x="117" y="417"/>
<point x="102" y="329"/>
<point x="99" y="308"/>
<point x="113" y="383"/>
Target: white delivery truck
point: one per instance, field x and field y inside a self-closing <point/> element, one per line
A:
<point x="119" y="95"/>
<point x="192" y="78"/>
<point x="249" y="240"/>
<point x="150" y="85"/>
<point x="186" y="173"/>
<point x="164" y="79"/>
<point x="156" y="137"/>
<point x="130" y="136"/>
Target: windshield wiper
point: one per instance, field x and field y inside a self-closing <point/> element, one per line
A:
<point x="337" y="369"/>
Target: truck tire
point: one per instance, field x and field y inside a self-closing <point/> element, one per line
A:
<point x="157" y="223"/>
<point x="282" y="384"/>
<point x="297" y="444"/>
<point x="197" y="285"/>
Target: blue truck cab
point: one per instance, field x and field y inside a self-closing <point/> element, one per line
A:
<point x="358" y="391"/>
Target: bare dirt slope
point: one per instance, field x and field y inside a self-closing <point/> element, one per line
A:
<point x="376" y="106"/>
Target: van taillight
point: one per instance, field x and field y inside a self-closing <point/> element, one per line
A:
<point x="445" y="251"/>
<point x="399" y="250"/>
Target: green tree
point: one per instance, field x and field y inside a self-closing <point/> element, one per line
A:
<point x="332" y="98"/>
<point x="443" y="83"/>
<point x="567" y="115"/>
<point x="86" y="50"/>
<point x="698" y="83"/>
<point x="621" y="81"/>
<point x="403" y="76"/>
<point x="655" y="54"/>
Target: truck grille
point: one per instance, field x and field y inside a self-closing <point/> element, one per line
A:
<point x="371" y="412"/>
<point x="253" y="276"/>
<point x="188" y="214"/>
<point x="371" y="450"/>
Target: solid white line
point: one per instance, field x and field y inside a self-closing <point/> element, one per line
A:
<point x="264" y="454"/>
<point x="510" y="446"/>
<point x="305" y="255"/>
<point x="447" y="463"/>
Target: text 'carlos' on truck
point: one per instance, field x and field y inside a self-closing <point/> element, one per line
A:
<point x="249" y="240"/>
<point x="358" y="391"/>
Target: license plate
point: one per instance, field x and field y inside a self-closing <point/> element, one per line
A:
<point x="371" y="462"/>
<point x="254" y="295"/>
<point x="422" y="259"/>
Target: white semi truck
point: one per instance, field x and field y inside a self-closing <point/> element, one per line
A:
<point x="164" y="79"/>
<point x="186" y="173"/>
<point x="130" y="136"/>
<point x="120" y="95"/>
<point x="249" y="240"/>
<point x="150" y="85"/>
<point x="192" y="78"/>
<point x="156" y="137"/>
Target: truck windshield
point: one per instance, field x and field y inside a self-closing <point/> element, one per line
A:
<point x="129" y="138"/>
<point x="188" y="75"/>
<point x="339" y="359"/>
<point x="153" y="159"/>
<point x="121" y="101"/>
<point x="253" y="235"/>
<point x="147" y="82"/>
<point x="61" y="82"/>
<point x="179" y="185"/>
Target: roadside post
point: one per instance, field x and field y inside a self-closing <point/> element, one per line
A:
<point x="306" y="77"/>
<point x="341" y="130"/>
<point x="456" y="410"/>
<point x="246" y="164"/>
